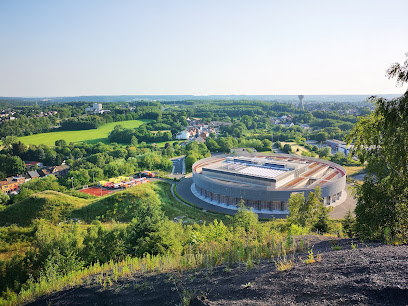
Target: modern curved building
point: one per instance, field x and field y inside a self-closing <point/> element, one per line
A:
<point x="265" y="183"/>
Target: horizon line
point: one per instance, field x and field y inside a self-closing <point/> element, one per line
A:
<point x="193" y="95"/>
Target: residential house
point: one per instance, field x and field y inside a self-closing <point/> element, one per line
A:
<point x="44" y="172"/>
<point x="59" y="170"/>
<point x="183" y="135"/>
<point x="32" y="164"/>
<point x="8" y="185"/>
<point x="204" y="134"/>
<point x="33" y="174"/>
<point x="19" y="179"/>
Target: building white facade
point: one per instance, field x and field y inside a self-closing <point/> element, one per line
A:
<point x="96" y="108"/>
<point x="183" y="135"/>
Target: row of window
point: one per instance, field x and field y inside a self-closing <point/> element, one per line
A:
<point x="256" y="204"/>
<point x="332" y="199"/>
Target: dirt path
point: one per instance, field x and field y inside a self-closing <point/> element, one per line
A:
<point x="370" y="274"/>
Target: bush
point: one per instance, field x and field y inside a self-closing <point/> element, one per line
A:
<point x="287" y="148"/>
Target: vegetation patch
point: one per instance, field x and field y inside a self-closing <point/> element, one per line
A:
<point x="90" y="136"/>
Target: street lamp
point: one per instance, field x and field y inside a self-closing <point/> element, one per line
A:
<point x="72" y="180"/>
<point x="93" y="177"/>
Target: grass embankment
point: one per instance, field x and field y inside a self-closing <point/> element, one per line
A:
<point x="50" y="205"/>
<point x="90" y="136"/>
<point x="57" y="207"/>
<point x="173" y="208"/>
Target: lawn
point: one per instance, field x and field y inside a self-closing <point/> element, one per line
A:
<point x="161" y="144"/>
<point x="90" y="136"/>
<point x="353" y="170"/>
<point x="173" y="208"/>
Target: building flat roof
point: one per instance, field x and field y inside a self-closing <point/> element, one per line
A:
<point x="262" y="172"/>
<point x="293" y="172"/>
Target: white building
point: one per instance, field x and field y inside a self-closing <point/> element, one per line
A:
<point x="183" y="135"/>
<point x="96" y="108"/>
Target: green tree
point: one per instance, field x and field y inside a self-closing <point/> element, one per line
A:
<point x="133" y="141"/>
<point x="245" y="218"/>
<point x="348" y="224"/>
<point x="338" y="158"/>
<point x="287" y="148"/>
<point x="310" y="212"/>
<point x="189" y="161"/>
<point x="325" y="152"/>
<point x="4" y="198"/>
<point x="322" y="137"/>
<point x="212" y="145"/>
<point x="14" y="165"/>
<point x="18" y="148"/>
<point x="380" y="140"/>
<point x="267" y="144"/>
<point x="60" y="143"/>
<point x="9" y="140"/>
<point x="151" y="232"/>
<point x="225" y="144"/>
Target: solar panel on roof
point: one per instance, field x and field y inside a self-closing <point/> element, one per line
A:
<point x="242" y="161"/>
<point x="263" y="172"/>
<point x="275" y="165"/>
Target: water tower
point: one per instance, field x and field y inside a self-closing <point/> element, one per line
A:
<point x="301" y="101"/>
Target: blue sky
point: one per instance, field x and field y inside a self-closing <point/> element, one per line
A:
<point x="69" y="48"/>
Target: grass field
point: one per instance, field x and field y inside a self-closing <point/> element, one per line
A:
<point x="90" y="136"/>
<point x="354" y="170"/>
<point x="161" y="144"/>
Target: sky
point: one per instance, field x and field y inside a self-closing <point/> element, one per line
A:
<point x="200" y="47"/>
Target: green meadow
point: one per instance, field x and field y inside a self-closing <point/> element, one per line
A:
<point x="90" y="136"/>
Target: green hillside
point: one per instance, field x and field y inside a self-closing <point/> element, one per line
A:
<point x="52" y="206"/>
<point x="120" y="206"/>
<point x="91" y="136"/>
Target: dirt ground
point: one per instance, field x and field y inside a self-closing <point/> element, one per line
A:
<point x="370" y="274"/>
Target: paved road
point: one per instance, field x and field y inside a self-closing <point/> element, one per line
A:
<point x="184" y="190"/>
<point x="349" y="204"/>
<point x="178" y="166"/>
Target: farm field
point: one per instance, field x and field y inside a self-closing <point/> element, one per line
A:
<point x="90" y="136"/>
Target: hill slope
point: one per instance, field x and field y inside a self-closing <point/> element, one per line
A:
<point x="372" y="274"/>
<point x="50" y="205"/>
<point x="120" y="206"/>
